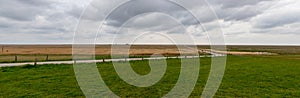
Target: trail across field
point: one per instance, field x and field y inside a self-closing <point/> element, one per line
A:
<point x="62" y="54"/>
<point x="103" y="60"/>
<point x="213" y="53"/>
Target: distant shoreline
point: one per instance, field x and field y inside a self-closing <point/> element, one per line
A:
<point x="140" y="45"/>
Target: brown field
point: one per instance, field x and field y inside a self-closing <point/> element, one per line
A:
<point x="25" y="53"/>
<point x="137" y="49"/>
<point x="8" y="53"/>
<point x="99" y="50"/>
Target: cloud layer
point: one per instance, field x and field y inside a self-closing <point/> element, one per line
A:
<point x="243" y="21"/>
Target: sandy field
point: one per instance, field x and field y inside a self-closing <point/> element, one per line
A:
<point x="99" y="50"/>
<point x="24" y="53"/>
<point x="144" y="49"/>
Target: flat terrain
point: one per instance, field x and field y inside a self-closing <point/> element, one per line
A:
<point x="99" y="49"/>
<point x="245" y="76"/>
<point x="28" y="53"/>
<point x="136" y="49"/>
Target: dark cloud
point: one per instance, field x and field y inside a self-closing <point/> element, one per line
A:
<point x="131" y="9"/>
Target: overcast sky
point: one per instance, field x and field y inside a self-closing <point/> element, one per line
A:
<point x="263" y="22"/>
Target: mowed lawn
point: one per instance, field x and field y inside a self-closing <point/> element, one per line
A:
<point x="245" y="76"/>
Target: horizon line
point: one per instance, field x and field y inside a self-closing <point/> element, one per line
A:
<point x="156" y="44"/>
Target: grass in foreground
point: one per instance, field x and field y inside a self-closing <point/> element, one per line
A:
<point x="245" y="76"/>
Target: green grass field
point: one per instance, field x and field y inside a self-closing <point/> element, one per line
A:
<point x="245" y="76"/>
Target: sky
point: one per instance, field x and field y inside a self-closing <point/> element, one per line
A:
<point x="243" y="22"/>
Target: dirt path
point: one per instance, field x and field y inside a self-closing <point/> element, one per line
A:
<point x="236" y="52"/>
<point x="214" y="53"/>
<point x="98" y="61"/>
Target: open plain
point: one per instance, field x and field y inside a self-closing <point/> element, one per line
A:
<point x="248" y="72"/>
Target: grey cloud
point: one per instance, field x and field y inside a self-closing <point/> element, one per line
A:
<point x="37" y="20"/>
<point x="150" y="20"/>
<point x="236" y="3"/>
<point x="55" y="20"/>
<point x="36" y="2"/>
<point x="4" y="25"/>
<point x="22" y="10"/>
<point x="75" y="11"/>
<point x="129" y="10"/>
<point x="156" y="22"/>
<point x="242" y="12"/>
<point x="177" y="30"/>
<point x="288" y="29"/>
<point x="278" y="18"/>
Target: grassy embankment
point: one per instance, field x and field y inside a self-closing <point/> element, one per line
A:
<point x="245" y="76"/>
